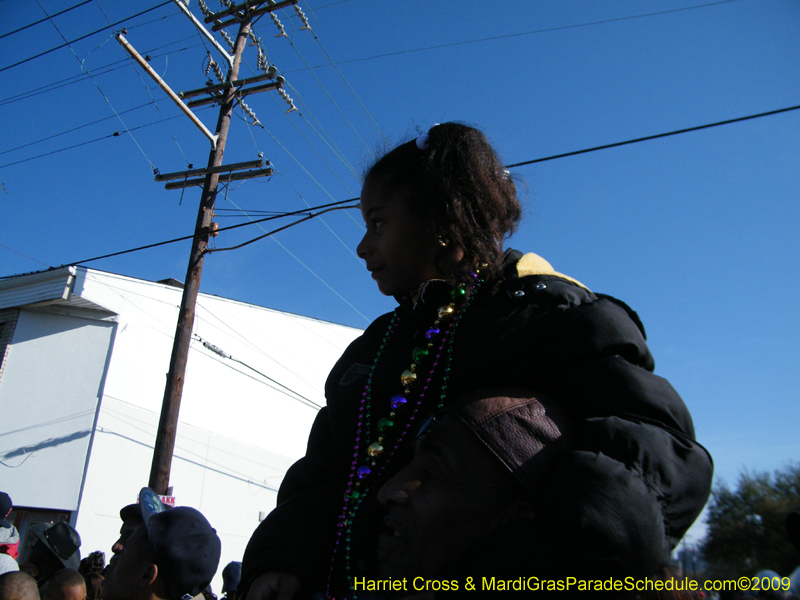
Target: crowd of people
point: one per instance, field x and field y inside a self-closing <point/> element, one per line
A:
<point x="160" y="554"/>
<point x="503" y="421"/>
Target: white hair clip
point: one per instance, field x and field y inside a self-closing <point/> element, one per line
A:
<point x="422" y="140"/>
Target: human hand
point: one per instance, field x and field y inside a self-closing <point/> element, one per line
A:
<point x="274" y="586"/>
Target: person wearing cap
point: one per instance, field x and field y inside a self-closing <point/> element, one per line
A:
<point x="503" y="485"/>
<point x="9" y="536"/>
<point x="173" y="556"/>
<point x="131" y="520"/>
<point x="54" y="547"/>
<point x="231" y="575"/>
<point x="132" y="516"/>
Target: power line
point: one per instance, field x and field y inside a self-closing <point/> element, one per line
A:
<point x="209" y="346"/>
<point x="511" y="166"/>
<point x="653" y="137"/>
<point x="347" y="83"/>
<point x="115" y="134"/>
<point x="112" y="25"/>
<point x="60" y="84"/>
<point x="25" y="255"/>
<point x="66" y="10"/>
<point x="533" y="32"/>
<point x="102" y="93"/>
<point x="189" y="237"/>
<point x="55" y="135"/>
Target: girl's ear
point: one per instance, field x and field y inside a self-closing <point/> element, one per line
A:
<point x="150" y="575"/>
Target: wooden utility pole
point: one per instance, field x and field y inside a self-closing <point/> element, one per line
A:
<point x="168" y="424"/>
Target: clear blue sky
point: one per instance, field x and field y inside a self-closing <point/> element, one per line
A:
<point x="697" y="232"/>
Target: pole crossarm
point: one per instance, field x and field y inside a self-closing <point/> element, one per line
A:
<point x="253" y="13"/>
<point x="163" y="85"/>
<point x="249" y="6"/>
<point x="240" y="93"/>
<point x="253" y="164"/>
<point x="212" y="89"/>
<point x="177" y="185"/>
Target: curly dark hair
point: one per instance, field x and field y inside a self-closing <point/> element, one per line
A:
<point x="93" y="563"/>
<point x="460" y="182"/>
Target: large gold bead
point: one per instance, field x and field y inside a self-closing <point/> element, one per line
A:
<point x="446" y="311"/>
<point x="408" y="377"/>
<point x="375" y="450"/>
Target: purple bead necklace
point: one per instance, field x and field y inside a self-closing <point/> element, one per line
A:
<point x="370" y="458"/>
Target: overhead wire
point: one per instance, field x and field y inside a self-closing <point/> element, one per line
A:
<point x="653" y="137"/>
<point x="122" y="292"/>
<point x="324" y="89"/>
<point x="66" y="10"/>
<point x="110" y="135"/>
<point x="299" y="164"/>
<point x="321" y="279"/>
<point x="347" y="83"/>
<point x="62" y="83"/>
<point x="133" y="66"/>
<point x="66" y="43"/>
<point x="293" y="157"/>
<point x="189" y="237"/>
<point x="341" y="241"/>
<point x="509" y="166"/>
<point x="317" y="152"/>
<point x="271" y="233"/>
<point x="79" y="127"/>
<point x="259" y="347"/>
<point x="308" y="217"/>
<point x="524" y="33"/>
<point x="218" y="351"/>
<point x="25" y="255"/>
<point x="329" y="141"/>
<point x="83" y="67"/>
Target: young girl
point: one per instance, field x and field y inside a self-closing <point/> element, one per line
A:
<point x="470" y="316"/>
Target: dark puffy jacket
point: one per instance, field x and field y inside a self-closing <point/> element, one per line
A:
<point x="636" y="461"/>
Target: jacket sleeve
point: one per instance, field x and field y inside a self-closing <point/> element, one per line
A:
<point x="297" y="536"/>
<point x="637" y="477"/>
<point x="634" y="438"/>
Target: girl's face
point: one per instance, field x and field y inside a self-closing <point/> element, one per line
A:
<point x="400" y="246"/>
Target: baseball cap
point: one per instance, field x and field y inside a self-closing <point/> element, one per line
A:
<point x="149" y="503"/>
<point x="186" y="549"/>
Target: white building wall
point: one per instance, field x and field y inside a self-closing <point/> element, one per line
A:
<point x="217" y="474"/>
<point x="220" y="394"/>
<point x="239" y="429"/>
<point x="49" y="393"/>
